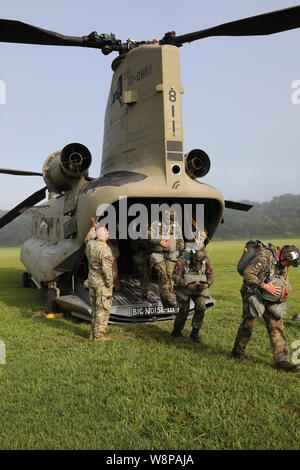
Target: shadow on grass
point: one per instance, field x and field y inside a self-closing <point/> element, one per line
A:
<point x="31" y="301"/>
<point x="68" y="324"/>
<point x="158" y="333"/>
<point x="208" y="348"/>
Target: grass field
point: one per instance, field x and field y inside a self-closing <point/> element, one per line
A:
<point x="143" y="389"/>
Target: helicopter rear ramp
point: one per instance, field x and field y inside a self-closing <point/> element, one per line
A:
<point x="128" y="305"/>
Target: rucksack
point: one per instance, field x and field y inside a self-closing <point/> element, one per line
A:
<point x="250" y="250"/>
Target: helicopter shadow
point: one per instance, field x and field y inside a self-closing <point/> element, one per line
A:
<point x="155" y="331"/>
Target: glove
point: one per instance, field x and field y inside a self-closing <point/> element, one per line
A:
<point x="197" y="287"/>
<point x="203" y="285"/>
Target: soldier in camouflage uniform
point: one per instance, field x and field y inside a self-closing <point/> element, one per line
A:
<point x="140" y="258"/>
<point x="193" y="276"/>
<point x="176" y="246"/>
<point x="114" y="246"/>
<point x="100" y="280"/>
<point x="164" y="253"/>
<point x="257" y="274"/>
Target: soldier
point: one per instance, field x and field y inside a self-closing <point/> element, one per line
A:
<point x="140" y="258"/>
<point x="258" y="274"/>
<point x="171" y="255"/>
<point x="193" y="276"/>
<point x="100" y="280"/>
<point x="164" y="252"/>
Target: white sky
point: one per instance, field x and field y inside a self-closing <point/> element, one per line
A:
<point x="237" y="102"/>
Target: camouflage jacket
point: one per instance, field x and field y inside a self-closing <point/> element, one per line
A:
<point x="100" y="261"/>
<point x="173" y="235"/>
<point x="114" y="246"/>
<point x="263" y="266"/>
<point x="196" y="267"/>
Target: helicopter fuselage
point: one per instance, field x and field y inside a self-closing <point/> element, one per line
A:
<point x="143" y="158"/>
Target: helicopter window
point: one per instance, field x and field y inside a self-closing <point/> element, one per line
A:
<point x="176" y="169"/>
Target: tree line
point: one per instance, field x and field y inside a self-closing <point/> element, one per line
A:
<point x="278" y="218"/>
<point x="15" y="233"/>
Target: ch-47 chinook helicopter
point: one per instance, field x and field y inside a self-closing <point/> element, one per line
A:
<point x="143" y="159"/>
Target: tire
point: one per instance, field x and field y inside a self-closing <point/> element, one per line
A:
<point x="51" y="305"/>
<point x="26" y="280"/>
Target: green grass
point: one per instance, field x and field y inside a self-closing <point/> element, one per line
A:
<point x="143" y="389"/>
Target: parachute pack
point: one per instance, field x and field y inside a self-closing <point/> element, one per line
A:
<point x="250" y="250"/>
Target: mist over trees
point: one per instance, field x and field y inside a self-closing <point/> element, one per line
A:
<point x="278" y="218"/>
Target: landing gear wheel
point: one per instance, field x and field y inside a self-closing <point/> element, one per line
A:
<point x="26" y="280"/>
<point x="51" y="305"/>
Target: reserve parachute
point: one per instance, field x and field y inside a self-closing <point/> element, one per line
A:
<point x="285" y="289"/>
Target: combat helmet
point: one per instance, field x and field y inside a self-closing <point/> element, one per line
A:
<point x="291" y="254"/>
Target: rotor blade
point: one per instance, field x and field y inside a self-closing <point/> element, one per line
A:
<point x="23" y="206"/>
<point x="18" y="32"/>
<point x="6" y="171"/>
<point x="238" y="206"/>
<point x="268" y="23"/>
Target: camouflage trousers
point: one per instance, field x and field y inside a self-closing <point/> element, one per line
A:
<point x="100" y="307"/>
<point x="275" y="330"/>
<point x="170" y="266"/>
<point x="184" y="308"/>
<point x="117" y="284"/>
<point x="142" y="270"/>
<point x="165" y="286"/>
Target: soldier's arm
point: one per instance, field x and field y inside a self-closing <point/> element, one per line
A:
<point x="107" y="262"/>
<point x="91" y="235"/>
<point x="209" y="273"/>
<point x="152" y="242"/>
<point x="180" y="244"/>
<point x="252" y="271"/>
<point x="178" y="273"/>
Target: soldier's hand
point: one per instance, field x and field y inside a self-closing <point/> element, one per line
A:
<point x="93" y="223"/>
<point x="109" y="297"/>
<point x="205" y="285"/>
<point x="197" y="286"/>
<point x="273" y="290"/>
<point x="192" y="287"/>
<point x="165" y="244"/>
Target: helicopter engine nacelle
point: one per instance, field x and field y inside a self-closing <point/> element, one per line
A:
<point x="197" y="163"/>
<point x="63" y="168"/>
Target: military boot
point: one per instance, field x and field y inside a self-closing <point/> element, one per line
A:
<point x="176" y="333"/>
<point x="195" y="335"/>
<point x="286" y="366"/>
<point x="242" y="357"/>
<point x="102" y="338"/>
